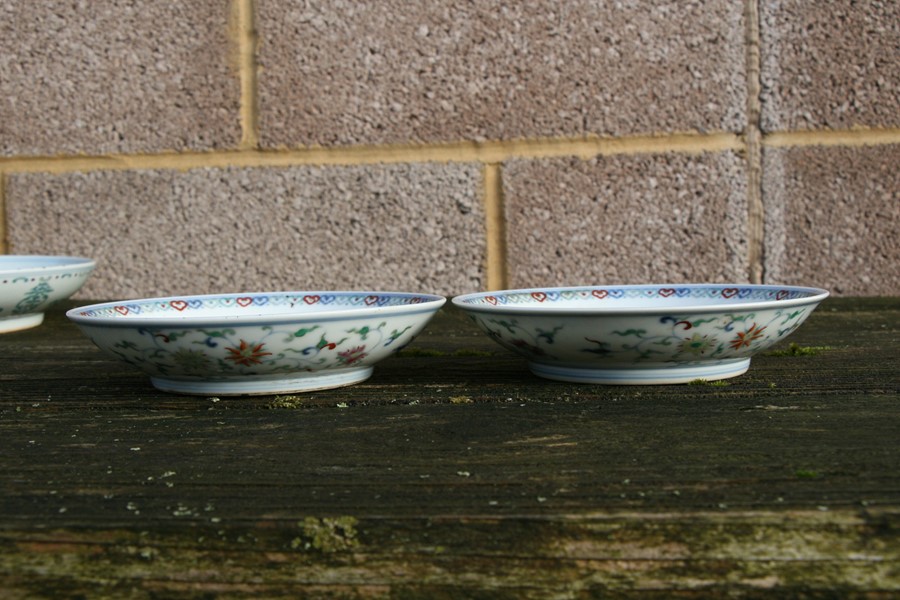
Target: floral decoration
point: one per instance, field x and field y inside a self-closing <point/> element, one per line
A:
<point x="674" y="339"/>
<point x="270" y="349"/>
<point x="33" y="298"/>
<point x="247" y="354"/>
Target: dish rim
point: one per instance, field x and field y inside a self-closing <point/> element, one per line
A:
<point x="54" y="262"/>
<point x="816" y="295"/>
<point x="429" y="303"/>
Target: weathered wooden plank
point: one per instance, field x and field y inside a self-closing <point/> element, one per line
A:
<point x="453" y="360"/>
<point x="454" y="472"/>
<point x="744" y="555"/>
<point x="454" y="457"/>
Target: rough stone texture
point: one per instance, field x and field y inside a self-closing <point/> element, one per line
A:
<point x="116" y="76"/>
<point x="627" y="219"/>
<point x="388" y="227"/>
<point x="830" y="64"/>
<point x="832" y="217"/>
<point x="348" y="72"/>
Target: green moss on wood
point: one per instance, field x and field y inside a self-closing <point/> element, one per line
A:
<point x="798" y="350"/>
<point x="716" y="383"/>
<point x="286" y="402"/>
<point x="806" y="474"/>
<point x="432" y="353"/>
<point x="472" y="352"/>
<point x="420" y="353"/>
<point x="327" y="535"/>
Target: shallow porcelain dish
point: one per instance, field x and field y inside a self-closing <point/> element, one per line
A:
<point x="259" y="343"/>
<point x="29" y="284"/>
<point x="641" y="334"/>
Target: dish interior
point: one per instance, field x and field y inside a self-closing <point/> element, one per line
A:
<point x="233" y="306"/>
<point x="634" y="297"/>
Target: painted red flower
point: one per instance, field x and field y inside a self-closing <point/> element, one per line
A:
<point x="353" y="355"/>
<point x="247" y="354"/>
<point x="747" y="337"/>
<point x="528" y="348"/>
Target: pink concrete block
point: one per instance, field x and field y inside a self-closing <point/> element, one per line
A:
<point x="627" y="220"/>
<point x="388" y="227"/>
<point x="395" y="71"/>
<point x="830" y="64"/>
<point x="832" y="218"/>
<point x="113" y="76"/>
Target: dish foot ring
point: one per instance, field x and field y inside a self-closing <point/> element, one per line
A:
<point x="644" y="376"/>
<point x="258" y="386"/>
<point x="20" y="322"/>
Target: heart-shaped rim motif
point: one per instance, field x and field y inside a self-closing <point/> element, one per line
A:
<point x="666" y="292"/>
<point x="539" y="296"/>
<point x="256" y="306"/>
<point x="729" y="292"/>
<point x="599" y="294"/>
<point x="491" y="300"/>
<point x="782" y="294"/>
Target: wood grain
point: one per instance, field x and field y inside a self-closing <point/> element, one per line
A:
<point x="453" y="472"/>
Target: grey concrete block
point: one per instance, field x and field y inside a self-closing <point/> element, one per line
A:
<point x="832" y="217"/>
<point x="387" y="227"/>
<point x="116" y="76"/>
<point x="396" y="71"/>
<point x="627" y="220"/>
<point x="830" y="64"/>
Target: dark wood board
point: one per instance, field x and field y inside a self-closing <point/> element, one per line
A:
<point x="454" y="472"/>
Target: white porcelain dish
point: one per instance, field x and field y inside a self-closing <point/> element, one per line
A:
<point x="641" y="334"/>
<point x="29" y="284"/>
<point x="257" y="343"/>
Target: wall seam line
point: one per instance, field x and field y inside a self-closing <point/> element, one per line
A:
<point x="247" y="67"/>
<point x="754" y="142"/>
<point x="451" y="152"/>
<point x="834" y="137"/>
<point x="4" y="227"/>
<point x="496" y="275"/>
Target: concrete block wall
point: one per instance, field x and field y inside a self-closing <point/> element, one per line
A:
<point x="451" y="146"/>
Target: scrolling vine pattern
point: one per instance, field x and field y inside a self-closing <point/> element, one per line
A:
<point x="226" y="352"/>
<point x="678" y="338"/>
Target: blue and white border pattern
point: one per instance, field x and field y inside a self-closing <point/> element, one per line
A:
<point x="599" y="294"/>
<point x="189" y="304"/>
